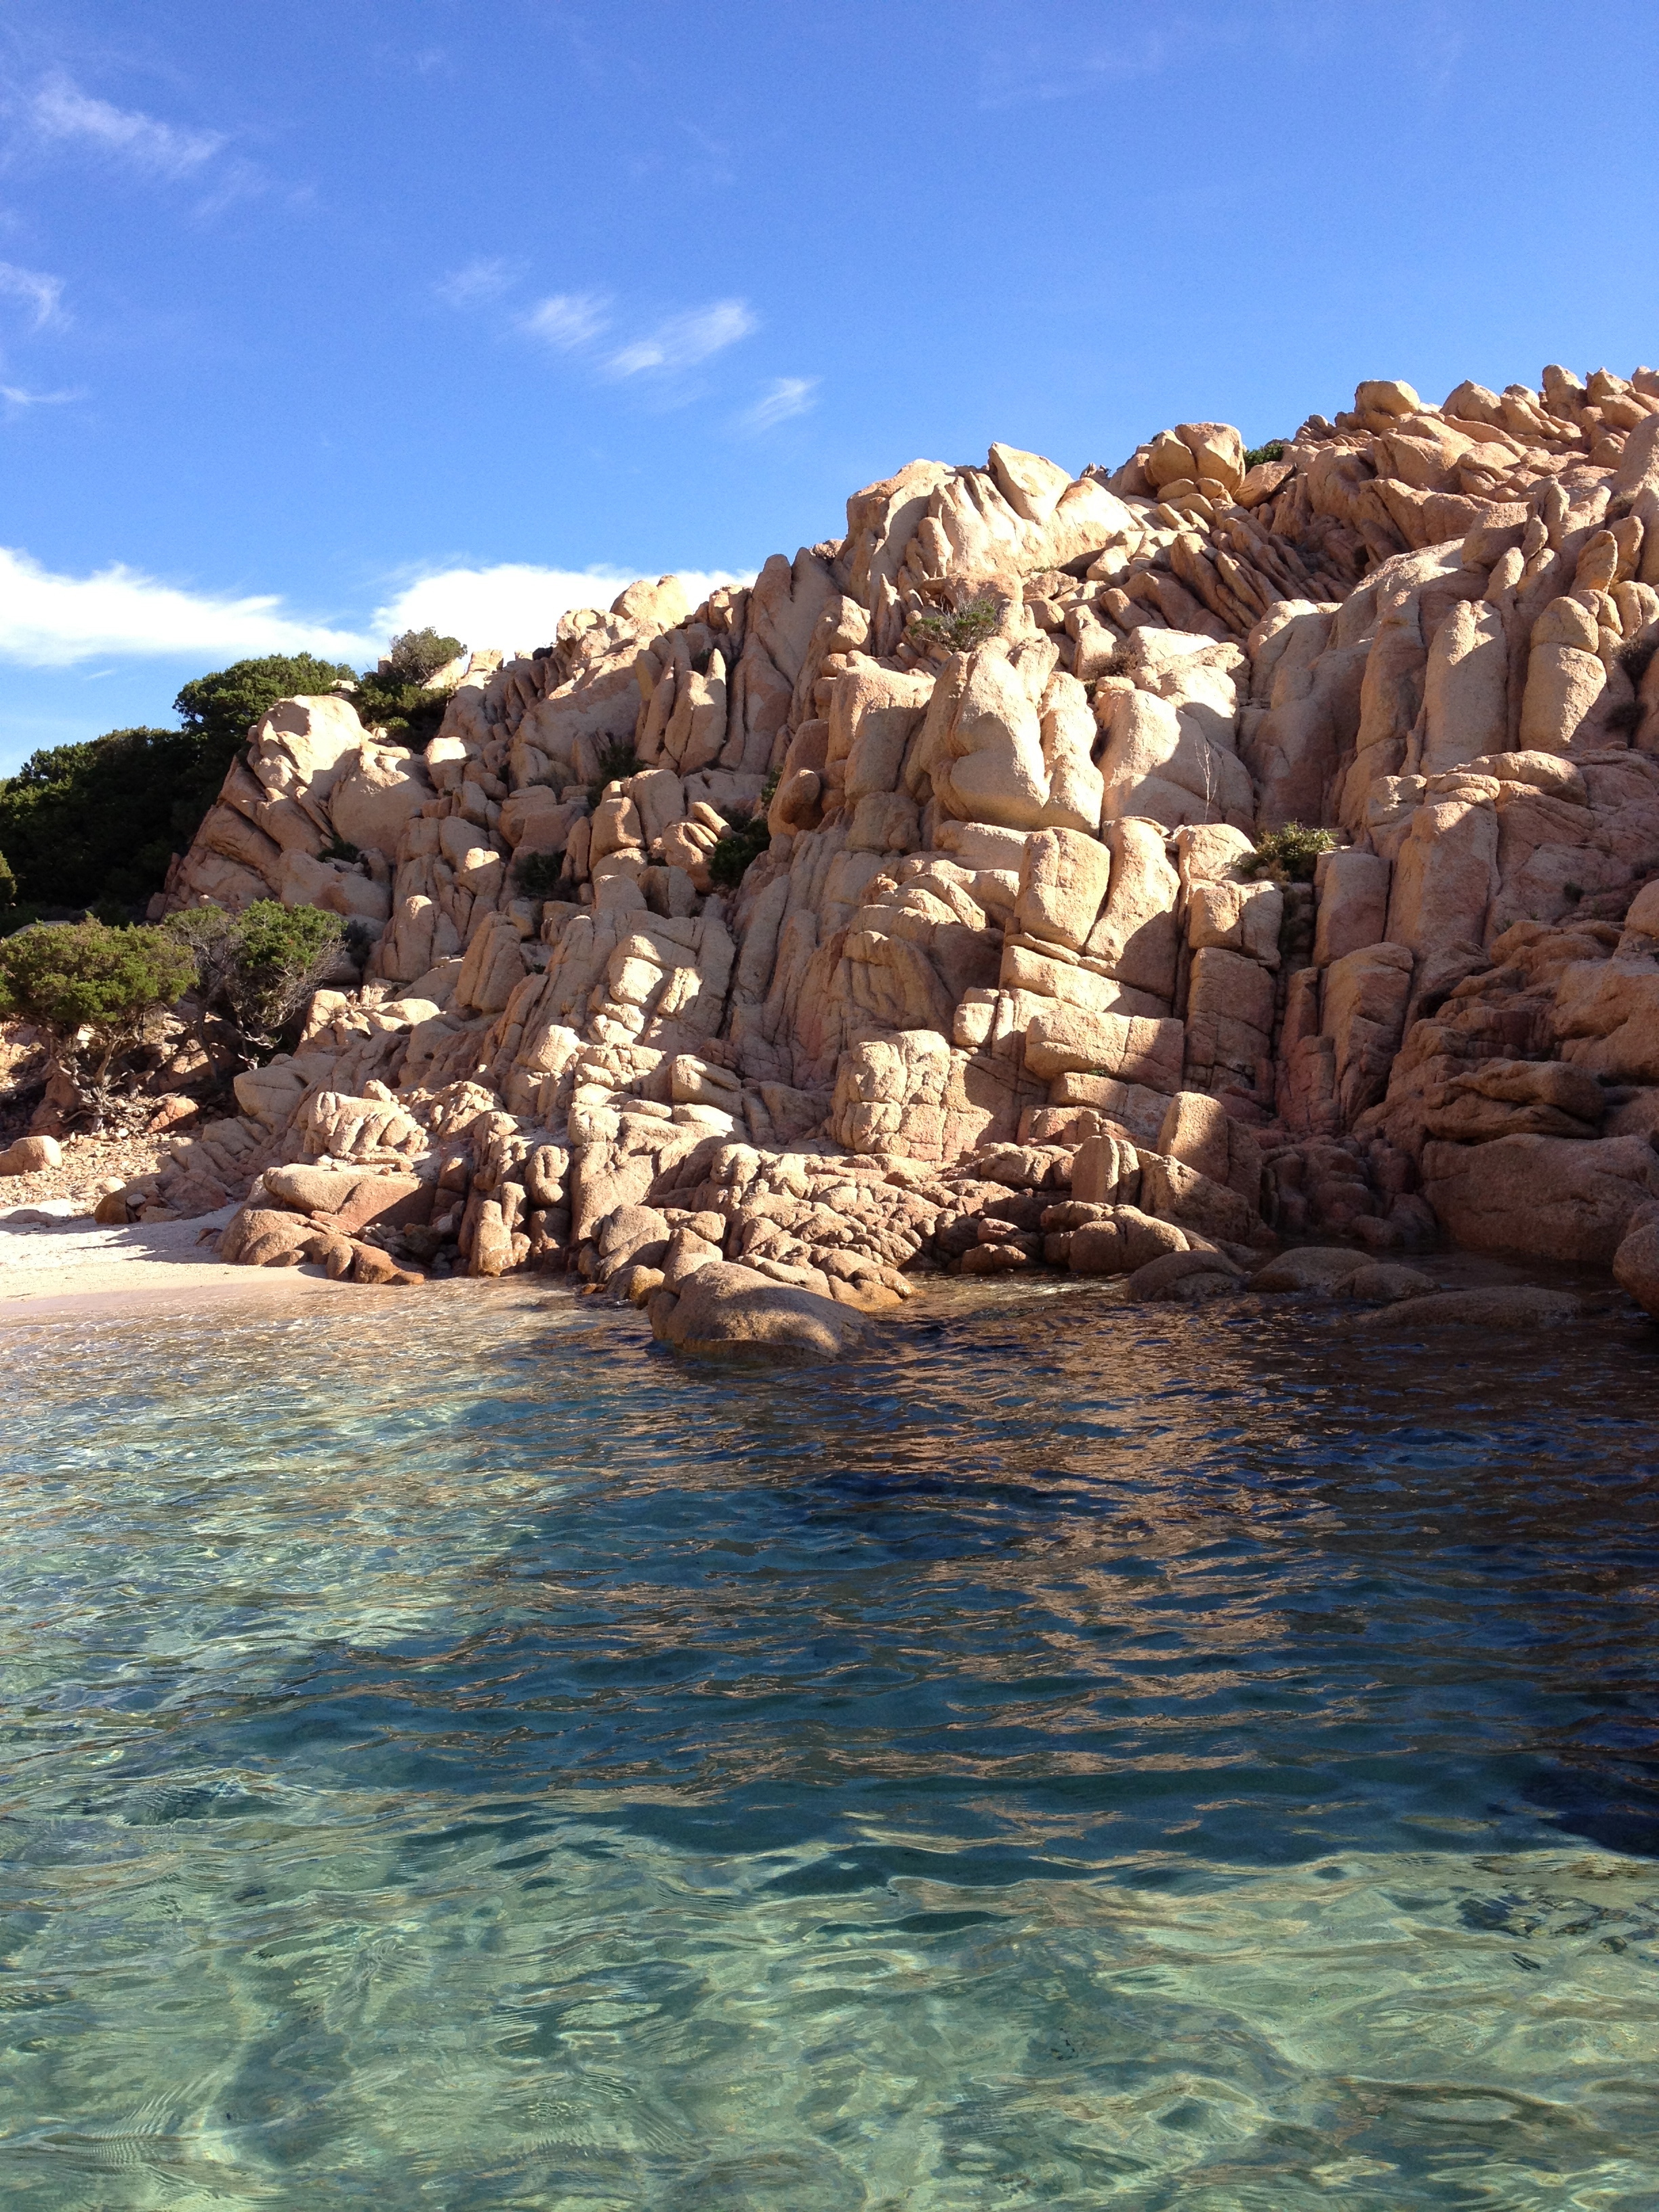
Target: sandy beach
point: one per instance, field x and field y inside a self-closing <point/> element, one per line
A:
<point x="74" y="1266"/>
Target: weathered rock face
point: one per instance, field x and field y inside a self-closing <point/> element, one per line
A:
<point x="1550" y="1197"/>
<point x="1015" y="736"/>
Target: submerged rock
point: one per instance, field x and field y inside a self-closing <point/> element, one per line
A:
<point x="1311" y="1267"/>
<point x="1521" y="1306"/>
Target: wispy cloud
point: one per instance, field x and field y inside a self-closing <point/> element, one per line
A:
<point x="516" y="603"/>
<point x="41" y="294"/>
<point x="478" y="283"/>
<point x="684" y="340"/>
<point x="62" y="114"/>
<point x="15" y="396"/>
<point x="1049" y="65"/>
<point x="567" y="320"/>
<point x="784" y="397"/>
<point x="49" y="621"/>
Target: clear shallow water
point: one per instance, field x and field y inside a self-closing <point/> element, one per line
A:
<point x="1079" y="1755"/>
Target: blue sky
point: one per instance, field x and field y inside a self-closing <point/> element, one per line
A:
<point x="313" y="313"/>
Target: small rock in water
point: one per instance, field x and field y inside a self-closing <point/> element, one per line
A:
<point x="1520" y="1305"/>
<point x="1184" y="1277"/>
<point x="1315" y="1267"/>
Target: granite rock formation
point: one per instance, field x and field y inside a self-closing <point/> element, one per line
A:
<point x="1009" y="985"/>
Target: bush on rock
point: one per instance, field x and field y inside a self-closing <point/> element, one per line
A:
<point x="1290" y="855"/>
<point x="257" y="970"/>
<point x="399" y="696"/>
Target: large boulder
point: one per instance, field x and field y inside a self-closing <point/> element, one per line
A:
<point x="29" y="1155"/>
<point x="987" y="759"/>
<point x="1130" y="1049"/>
<point x="1163" y="765"/>
<point x="1608" y="1013"/>
<point x="601" y="710"/>
<point x="351" y="1200"/>
<point x="1364" y="1013"/>
<point x="1351" y="888"/>
<point x="1137" y="937"/>
<point x="723" y="1311"/>
<point x="1174" y="1192"/>
<point x="376" y="795"/>
<point x="1444" y="877"/>
<point x="300" y="748"/>
<point x="1466" y="689"/>
<point x="1553" y="1197"/>
<point x="652" y="607"/>
<point x="1063" y="879"/>
<point x="267" y="1236"/>
<point x="1325" y="1267"/>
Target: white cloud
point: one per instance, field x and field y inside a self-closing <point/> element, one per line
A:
<point x="478" y="283"/>
<point x="567" y="320"/>
<point x="15" y="396"/>
<point x="515" y="604"/>
<point x="684" y="340"/>
<point x="62" y="113"/>
<point x="38" y="291"/>
<point x="48" y="621"/>
<point x="784" y="397"/>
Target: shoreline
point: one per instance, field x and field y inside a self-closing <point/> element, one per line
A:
<point x="94" y="1272"/>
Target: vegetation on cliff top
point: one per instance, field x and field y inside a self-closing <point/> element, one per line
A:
<point x="95" y="825"/>
<point x="97" y="822"/>
<point x="394" y="697"/>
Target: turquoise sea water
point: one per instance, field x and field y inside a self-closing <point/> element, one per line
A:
<point x="454" y="1756"/>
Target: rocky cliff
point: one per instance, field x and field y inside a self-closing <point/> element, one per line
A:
<point x="1009" y="985"/>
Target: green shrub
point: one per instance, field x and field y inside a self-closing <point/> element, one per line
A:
<point x="743" y="843"/>
<point x="1272" y="451"/>
<point x="393" y="697"/>
<point x="538" y="875"/>
<point x="103" y="818"/>
<point x="257" y="970"/>
<point x="1625" y="718"/>
<point x="730" y="859"/>
<point x="68" y="978"/>
<point x="1289" y="855"/>
<point x="617" y="761"/>
<point x="958" y="633"/>
<point x="8" y="883"/>
<point x="359" y="940"/>
<point x="416" y="656"/>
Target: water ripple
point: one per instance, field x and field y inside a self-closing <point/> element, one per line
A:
<point x="1080" y="1754"/>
